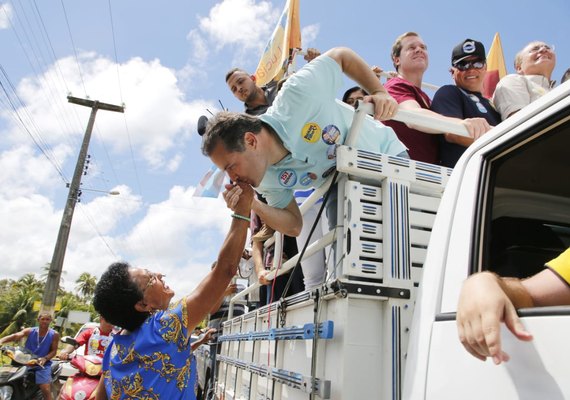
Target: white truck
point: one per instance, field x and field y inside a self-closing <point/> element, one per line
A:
<point x="383" y="325"/>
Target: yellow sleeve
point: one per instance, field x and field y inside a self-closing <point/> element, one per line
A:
<point x="561" y="265"/>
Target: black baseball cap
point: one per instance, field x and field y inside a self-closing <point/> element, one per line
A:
<point x="468" y="48"/>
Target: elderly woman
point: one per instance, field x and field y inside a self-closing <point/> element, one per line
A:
<point x="151" y="358"/>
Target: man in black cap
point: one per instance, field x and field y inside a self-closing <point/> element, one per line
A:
<point x="464" y="99"/>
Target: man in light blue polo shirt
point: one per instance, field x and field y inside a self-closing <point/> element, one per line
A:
<point x="292" y="146"/>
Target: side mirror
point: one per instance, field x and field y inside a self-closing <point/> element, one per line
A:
<point x="202" y="121"/>
<point x="69" y="340"/>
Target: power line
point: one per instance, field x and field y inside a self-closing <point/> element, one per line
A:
<point x="74" y="48"/>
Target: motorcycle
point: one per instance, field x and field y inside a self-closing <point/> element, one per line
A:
<point x="83" y="384"/>
<point x="17" y="381"/>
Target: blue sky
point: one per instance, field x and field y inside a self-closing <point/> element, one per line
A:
<point x="166" y="62"/>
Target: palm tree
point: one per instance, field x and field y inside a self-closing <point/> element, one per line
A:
<point x="16" y="304"/>
<point x="45" y="274"/>
<point x="86" y="285"/>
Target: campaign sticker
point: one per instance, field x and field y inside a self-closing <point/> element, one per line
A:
<point x="311" y="132"/>
<point x="330" y="134"/>
<point x="331" y="151"/>
<point x="308" y="178"/>
<point x="287" y="178"/>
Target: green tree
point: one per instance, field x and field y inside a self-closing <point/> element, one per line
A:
<point x="16" y="303"/>
<point x="86" y="285"/>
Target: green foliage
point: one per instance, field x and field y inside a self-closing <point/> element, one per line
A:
<point x="17" y="298"/>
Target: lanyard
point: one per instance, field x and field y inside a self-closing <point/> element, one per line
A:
<point x="475" y="100"/>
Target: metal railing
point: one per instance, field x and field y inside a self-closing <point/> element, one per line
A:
<point x="405" y="116"/>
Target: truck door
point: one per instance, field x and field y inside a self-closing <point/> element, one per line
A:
<point x="508" y="211"/>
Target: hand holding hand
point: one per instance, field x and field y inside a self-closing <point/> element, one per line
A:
<point x="244" y="199"/>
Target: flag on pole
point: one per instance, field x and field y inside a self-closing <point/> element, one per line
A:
<point x="286" y="36"/>
<point x="496" y="68"/>
<point x="211" y="184"/>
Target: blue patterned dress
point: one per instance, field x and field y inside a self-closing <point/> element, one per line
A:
<point x="154" y="361"/>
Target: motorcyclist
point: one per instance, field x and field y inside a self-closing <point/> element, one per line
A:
<point x="42" y="341"/>
<point x="95" y="340"/>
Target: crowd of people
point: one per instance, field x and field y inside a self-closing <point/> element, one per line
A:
<point x="278" y="150"/>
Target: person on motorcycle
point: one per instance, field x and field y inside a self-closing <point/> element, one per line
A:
<point x="42" y="341"/>
<point x="95" y="340"/>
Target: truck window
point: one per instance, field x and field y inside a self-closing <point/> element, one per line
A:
<point x="526" y="217"/>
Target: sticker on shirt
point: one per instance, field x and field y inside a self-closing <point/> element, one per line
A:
<point x="331" y="151"/>
<point x="331" y="134"/>
<point x="308" y="178"/>
<point x="287" y="178"/>
<point x="311" y="132"/>
<point x="329" y="171"/>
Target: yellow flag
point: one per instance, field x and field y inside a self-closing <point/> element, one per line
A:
<point x="496" y="68"/>
<point x="286" y="36"/>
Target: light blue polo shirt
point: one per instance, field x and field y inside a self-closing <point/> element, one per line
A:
<point x="310" y="122"/>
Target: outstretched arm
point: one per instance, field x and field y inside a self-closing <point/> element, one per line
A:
<point x="211" y="289"/>
<point x="14" y="337"/>
<point x="475" y="126"/>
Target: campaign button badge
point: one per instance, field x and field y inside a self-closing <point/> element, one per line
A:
<point x="311" y="132"/>
<point x="331" y="133"/>
<point x="287" y="178"/>
<point x="307" y="179"/>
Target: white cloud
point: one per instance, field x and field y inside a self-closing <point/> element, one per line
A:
<point x="158" y="119"/>
<point x="5" y="15"/>
<point x="180" y="237"/>
<point x="246" y="25"/>
<point x="24" y="172"/>
<point x="309" y="34"/>
<point x="200" y="46"/>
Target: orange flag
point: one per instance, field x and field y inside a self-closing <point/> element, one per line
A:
<point x="286" y="36"/>
<point x="496" y="68"/>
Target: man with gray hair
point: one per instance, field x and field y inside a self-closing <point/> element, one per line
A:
<point x="534" y="65"/>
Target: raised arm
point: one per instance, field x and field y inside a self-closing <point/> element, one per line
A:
<point x="211" y="289"/>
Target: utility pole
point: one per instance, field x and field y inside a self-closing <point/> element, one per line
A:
<point x="54" y="275"/>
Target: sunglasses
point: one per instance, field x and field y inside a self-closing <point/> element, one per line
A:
<point x="464" y="66"/>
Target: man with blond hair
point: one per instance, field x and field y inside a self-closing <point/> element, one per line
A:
<point x="411" y="60"/>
